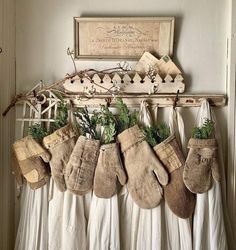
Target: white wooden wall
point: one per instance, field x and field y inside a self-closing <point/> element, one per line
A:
<point x="231" y="90"/>
<point x="7" y="90"/>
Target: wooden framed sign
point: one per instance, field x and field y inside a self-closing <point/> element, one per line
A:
<point x="123" y="37"/>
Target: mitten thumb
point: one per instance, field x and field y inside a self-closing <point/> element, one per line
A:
<point x="215" y="170"/>
<point x="121" y="175"/>
<point x="46" y="156"/>
<point x="160" y="172"/>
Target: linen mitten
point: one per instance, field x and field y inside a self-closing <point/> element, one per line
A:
<point x="201" y="165"/>
<point x="31" y="157"/>
<point x="179" y="199"/>
<point x="109" y="168"/>
<point x="81" y="166"/>
<point x="60" y="144"/>
<point x="145" y="172"/>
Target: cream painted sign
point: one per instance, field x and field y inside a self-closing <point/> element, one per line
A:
<point x="126" y="38"/>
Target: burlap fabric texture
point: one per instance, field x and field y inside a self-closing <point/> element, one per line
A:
<point x="81" y="166"/>
<point x="201" y="165"/>
<point x="31" y="158"/>
<point x="109" y="168"/>
<point x="179" y="199"/>
<point x="145" y="172"/>
<point x="60" y="144"/>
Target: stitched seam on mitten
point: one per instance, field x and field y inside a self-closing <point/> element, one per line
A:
<point x="131" y="146"/>
<point x="79" y="172"/>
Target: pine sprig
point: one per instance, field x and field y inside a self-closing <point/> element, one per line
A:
<point x="163" y="131"/>
<point x="37" y="132"/>
<point x="151" y="135"/>
<point x="205" y="131"/>
<point x="156" y="134"/>
<point x="125" y="118"/>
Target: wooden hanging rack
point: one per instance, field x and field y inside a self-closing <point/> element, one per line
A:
<point x="95" y="93"/>
<point x="162" y="100"/>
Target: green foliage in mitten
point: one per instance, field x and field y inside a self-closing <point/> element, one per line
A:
<point x="62" y="116"/>
<point x="87" y="123"/>
<point x="205" y="131"/>
<point x="37" y="132"/>
<point x="108" y="121"/>
<point x="156" y="134"/>
<point x="125" y="119"/>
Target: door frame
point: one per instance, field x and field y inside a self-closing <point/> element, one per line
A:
<point x="7" y="128"/>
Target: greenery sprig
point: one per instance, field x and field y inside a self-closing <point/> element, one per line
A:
<point x="61" y="118"/>
<point x="125" y="119"/>
<point x="108" y="121"/>
<point x="37" y="132"/>
<point x="157" y="133"/>
<point x="205" y="131"/>
<point x="87" y="123"/>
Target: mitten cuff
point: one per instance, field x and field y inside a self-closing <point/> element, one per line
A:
<point x="159" y="147"/>
<point x="170" y="154"/>
<point x="27" y="147"/>
<point x="59" y="136"/>
<point x="130" y="137"/>
<point x="107" y="146"/>
<point x="202" y="143"/>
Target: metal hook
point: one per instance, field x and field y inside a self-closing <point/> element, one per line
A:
<point x="108" y="101"/>
<point x="176" y="99"/>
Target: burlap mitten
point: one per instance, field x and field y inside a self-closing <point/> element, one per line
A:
<point x="201" y="165"/>
<point x="31" y="157"/>
<point x="81" y="166"/>
<point x="16" y="171"/>
<point x="60" y="144"/>
<point x="143" y="168"/>
<point x="179" y="199"/>
<point x="108" y="169"/>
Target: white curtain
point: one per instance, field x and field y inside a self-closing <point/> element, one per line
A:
<point x="32" y="231"/>
<point x="67" y="223"/>
<point x="103" y="226"/>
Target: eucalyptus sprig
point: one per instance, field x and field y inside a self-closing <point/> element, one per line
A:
<point x="37" y="132"/>
<point x="205" y="131"/>
<point x="126" y="119"/>
<point x="87" y="123"/>
<point x="157" y="133"/>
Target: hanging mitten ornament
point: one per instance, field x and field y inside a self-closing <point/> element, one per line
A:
<point x="16" y="171"/>
<point x="109" y="168"/>
<point x="179" y="199"/>
<point x="81" y="166"/>
<point x="60" y="144"/>
<point x="31" y="157"/>
<point x="144" y="170"/>
<point x="201" y="165"/>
